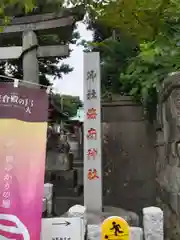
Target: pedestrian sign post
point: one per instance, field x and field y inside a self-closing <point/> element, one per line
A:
<point x="115" y="228"/>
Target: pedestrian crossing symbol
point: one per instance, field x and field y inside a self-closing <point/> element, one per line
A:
<point x="115" y="228"/>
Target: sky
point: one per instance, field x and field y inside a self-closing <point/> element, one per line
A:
<point x="72" y="83"/>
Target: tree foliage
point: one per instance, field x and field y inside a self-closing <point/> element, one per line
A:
<point x="154" y="26"/>
<point x="48" y="67"/>
<point x="143" y="19"/>
<point x="16" y="7"/>
<point x="62" y="107"/>
<point x="114" y="58"/>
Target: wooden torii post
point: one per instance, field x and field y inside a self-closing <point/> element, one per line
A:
<point x="28" y="27"/>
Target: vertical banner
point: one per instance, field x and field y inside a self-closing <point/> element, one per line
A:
<point x="23" y="127"/>
<point x="92" y="133"/>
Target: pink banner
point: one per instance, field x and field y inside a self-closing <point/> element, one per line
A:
<point x="23" y="127"/>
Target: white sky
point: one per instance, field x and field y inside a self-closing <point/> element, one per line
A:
<point x="72" y="83"/>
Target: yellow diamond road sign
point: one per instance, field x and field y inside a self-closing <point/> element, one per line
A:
<point x="115" y="228"/>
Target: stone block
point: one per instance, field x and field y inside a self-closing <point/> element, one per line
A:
<point x="94" y="232"/>
<point x="80" y="176"/>
<point x="136" y="233"/>
<point x="61" y="191"/>
<point x="48" y="191"/>
<point x="64" y="178"/>
<point x="77" y="211"/>
<point x="94" y="218"/>
<point x="60" y="161"/>
<point x="62" y="204"/>
<point x="153" y="223"/>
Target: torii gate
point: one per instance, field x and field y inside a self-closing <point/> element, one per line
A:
<point x="30" y="50"/>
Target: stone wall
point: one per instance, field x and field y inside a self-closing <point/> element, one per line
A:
<point x="168" y="158"/>
<point x="129" y="159"/>
<point x="128" y="156"/>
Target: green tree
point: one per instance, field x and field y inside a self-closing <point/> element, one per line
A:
<point x="144" y="19"/>
<point x="115" y="51"/>
<point x="147" y="71"/>
<point x="155" y="26"/>
<point x="17" y="7"/>
<point x="63" y="107"/>
<point x="114" y="59"/>
<point x="48" y="67"/>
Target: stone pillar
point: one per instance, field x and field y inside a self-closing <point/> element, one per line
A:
<point x="153" y="223"/>
<point x="136" y="233"/>
<point x="29" y="58"/>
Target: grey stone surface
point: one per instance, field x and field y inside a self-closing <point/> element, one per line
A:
<point x="57" y="161"/>
<point x="94" y="232"/>
<point x="153" y="223"/>
<point x="30" y="60"/>
<point x="80" y="176"/>
<point x="62" y="204"/>
<point x="168" y="161"/>
<point x="64" y="179"/>
<point x="60" y="191"/>
<point x="95" y="218"/>
<point x="136" y="233"/>
<point x="129" y="155"/>
<point x="129" y="166"/>
<point x="131" y="217"/>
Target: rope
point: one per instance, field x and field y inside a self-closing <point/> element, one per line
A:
<point x="28" y="50"/>
<point x="12" y="78"/>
